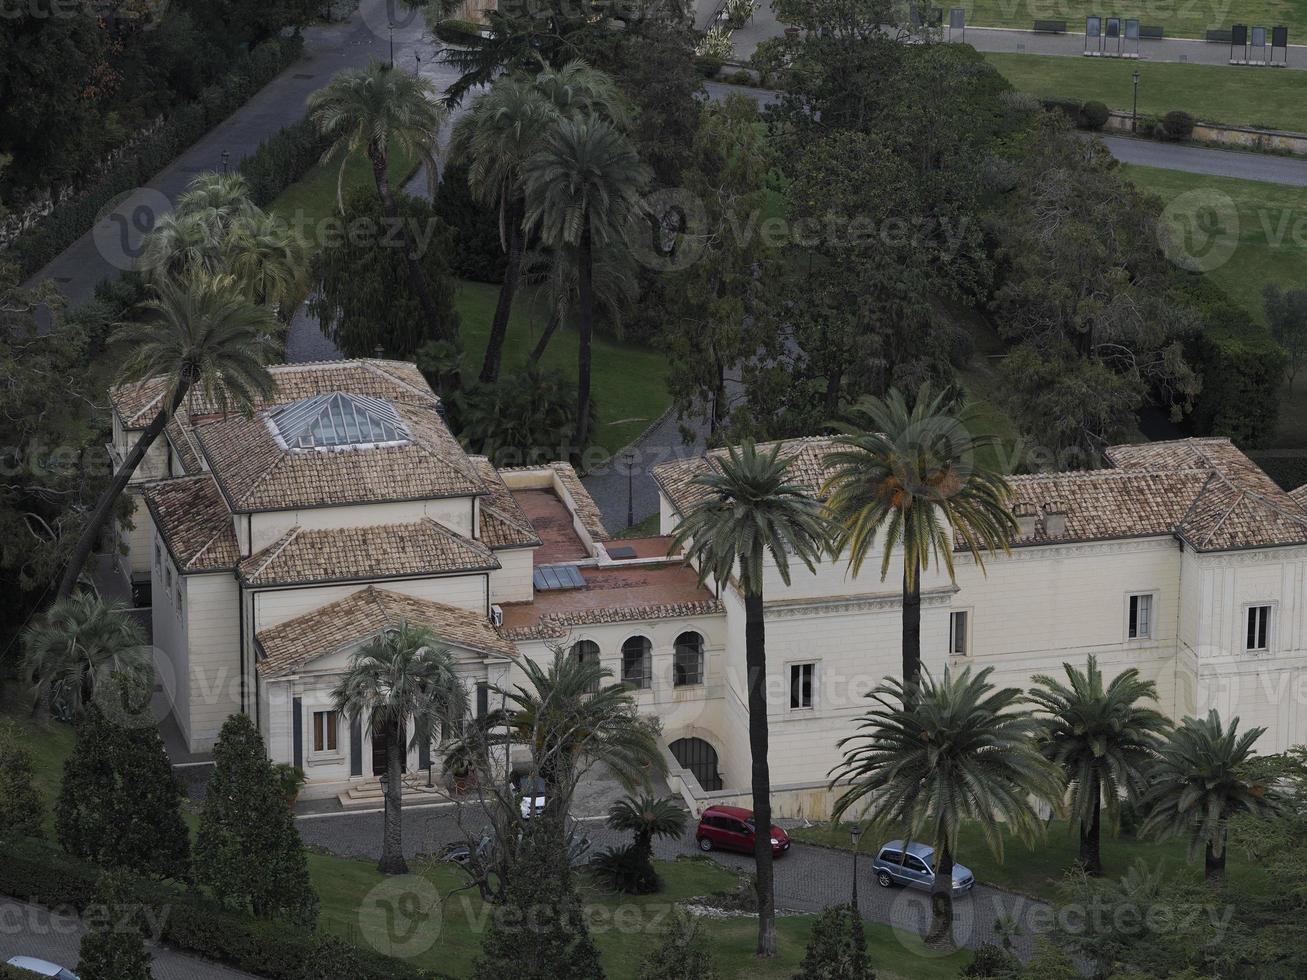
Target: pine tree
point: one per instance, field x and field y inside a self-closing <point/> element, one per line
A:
<point x="120" y="804"/>
<point x="114" y="948"/>
<point x="248" y="850"/>
<point x="539" y="932"/>
<point x="21" y="807"/>
<point x="682" y="955"/>
<point x="837" y="948"/>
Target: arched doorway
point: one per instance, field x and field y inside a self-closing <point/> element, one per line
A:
<point x="700" y="758"/>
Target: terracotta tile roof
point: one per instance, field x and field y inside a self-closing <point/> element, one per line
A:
<point x="395" y="381"/>
<point x="359" y="617"/>
<point x="256" y="474"/>
<point x="503" y="522"/>
<point x="1202" y="490"/>
<point x="612" y="595"/>
<point x="1300" y="496"/>
<point x="383" y="551"/>
<point x="181" y="436"/>
<point x="194" y="522"/>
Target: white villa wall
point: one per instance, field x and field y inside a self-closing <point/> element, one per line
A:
<point x="454" y="513"/>
<point x="273" y="606"/>
<point x="513" y="581"/>
<point x="169" y="635"/>
<point x="212" y="609"/>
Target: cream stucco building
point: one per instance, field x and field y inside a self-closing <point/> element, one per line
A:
<point x="272" y="547"/>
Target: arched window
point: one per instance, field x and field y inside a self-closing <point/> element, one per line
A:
<point x="587" y="652"/>
<point x="700" y="758"/>
<point x="636" y="667"/>
<point x="687" y="660"/>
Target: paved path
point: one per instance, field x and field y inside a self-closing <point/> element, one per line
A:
<point x="1205" y="160"/>
<point x="808" y="878"/>
<point x="29" y="930"/>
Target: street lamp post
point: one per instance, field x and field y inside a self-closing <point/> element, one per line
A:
<point x="1134" y="110"/>
<point x="225" y="156"/>
<point x="417" y="63"/>
<point x="630" y="485"/>
<point x="392" y="45"/>
<point x="854" y="834"/>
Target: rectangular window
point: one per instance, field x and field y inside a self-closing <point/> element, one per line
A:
<point x="1140" y="624"/>
<point x="801" y="685"/>
<point x="158" y="556"/>
<point x="324" y="731"/>
<point x="957" y="633"/>
<point x="1259" y="628"/>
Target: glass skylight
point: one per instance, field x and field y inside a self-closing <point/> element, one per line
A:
<point x="338" y="421"/>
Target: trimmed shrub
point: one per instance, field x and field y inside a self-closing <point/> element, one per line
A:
<point x="1094" y="115"/>
<point x="21" y="807"/>
<point x="837" y="948"/>
<point x="708" y="66"/>
<point x="682" y="955"/>
<point x="1176" y="126"/>
<point x="282" y="159"/>
<point x="109" y="952"/>
<point x="477" y="253"/>
<point x="454" y="31"/>
<point x="742" y="77"/>
<point x="1068" y="107"/>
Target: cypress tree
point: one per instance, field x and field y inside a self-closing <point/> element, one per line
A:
<point x="21" y="807"/>
<point x="248" y="851"/>
<point x="682" y="955"/>
<point x="837" y="948"/>
<point x="114" y="948"/>
<point x="120" y="804"/>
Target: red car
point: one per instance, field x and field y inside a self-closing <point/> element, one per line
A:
<point x="730" y="828"/>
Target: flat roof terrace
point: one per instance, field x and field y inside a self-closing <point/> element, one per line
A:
<point x="554" y="524"/>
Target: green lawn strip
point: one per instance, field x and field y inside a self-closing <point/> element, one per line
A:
<point x="1180" y="18"/>
<point x="307" y="202"/>
<point x="1213" y="93"/>
<point x="1272" y="244"/>
<point x="1038" y="870"/>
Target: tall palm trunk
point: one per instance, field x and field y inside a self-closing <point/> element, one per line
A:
<point x="417" y="280"/>
<point x="550" y="329"/>
<point x="755" y="660"/>
<point x="941" y="901"/>
<point x="911" y="628"/>
<point x="512" y="271"/>
<point x="1214" y="865"/>
<point x="1091" y="856"/>
<point x="585" y="305"/>
<point x="392" y="841"/>
<point x="104" y="506"/>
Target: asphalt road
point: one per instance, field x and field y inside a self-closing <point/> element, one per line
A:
<point x="29" y="930"/>
<point x="1205" y="160"/>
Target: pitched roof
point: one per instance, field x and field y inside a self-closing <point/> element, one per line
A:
<point x="503" y="523"/>
<point x="1204" y="491"/>
<point x="195" y="524"/>
<point x="382" y="551"/>
<point x="256" y="474"/>
<point x="365" y="614"/>
<point x="395" y="381"/>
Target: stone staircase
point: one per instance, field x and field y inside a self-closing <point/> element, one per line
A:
<point x="367" y="794"/>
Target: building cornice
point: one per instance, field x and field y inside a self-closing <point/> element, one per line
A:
<point x="843" y="605"/>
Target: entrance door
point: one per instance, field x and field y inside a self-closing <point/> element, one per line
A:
<point x="380" y="741"/>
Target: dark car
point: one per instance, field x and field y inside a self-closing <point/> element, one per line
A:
<point x="914" y="866"/>
<point x="731" y="828"/>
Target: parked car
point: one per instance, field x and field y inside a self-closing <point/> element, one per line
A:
<point x="731" y="828"/>
<point x="42" y="968"/>
<point x="531" y="792"/>
<point x="915" y="868"/>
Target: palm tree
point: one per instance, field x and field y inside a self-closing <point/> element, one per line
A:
<point x="503" y="129"/>
<point x="1103" y="740"/>
<point x="582" y="192"/>
<point x="753" y="511"/>
<point x="615" y="288"/>
<point x="401" y="681"/>
<point x="916" y="474"/>
<point x="375" y="109"/>
<point x="269" y="259"/>
<point x="931" y="755"/>
<point x="1199" y="783"/>
<point x="647" y="817"/>
<point x="198" y="334"/>
<point x="569" y="721"/>
<point x="78" y="644"/>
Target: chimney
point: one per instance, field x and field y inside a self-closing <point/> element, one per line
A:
<point x="1055" y="518"/>
<point x="1026" y="516"/>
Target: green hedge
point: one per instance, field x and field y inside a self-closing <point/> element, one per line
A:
<point x="283" y="158"/>
<point x="36" y="871"/>
<point x="1242" y="369"/>
<point x="68" y="222"/>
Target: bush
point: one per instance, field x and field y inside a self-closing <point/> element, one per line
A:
<point x="837" y="948"/>
<point x="523" y="419"/>
<point x="742" y="77"/>
<point x="1094" y="115"/>
<point x="283" y="158"/>
<point x="991" y="961"/>
<point x="682" y="955"/>
<point x="476" y="252"/>
<point x="56" y="231"/>
<point x="1068" y="107"/>
<point x="708" y="66"/>
<point x="109" y="951"/>
<point x="21" y="807"/>
<point x="625" y="870"/>
<point x="1176" y="126"/>
<point x="454" y="31"/>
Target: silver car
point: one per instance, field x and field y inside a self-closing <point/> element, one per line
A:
<point x="914" y="866"/>
<point x="42" y="968"/>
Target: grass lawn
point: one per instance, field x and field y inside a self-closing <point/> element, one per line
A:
<point x="1179" y="18"/>
<point x="1213" y="93"/>
<point x="1037" y="871"/>
<point x="625" y="928"/>
<point x="627" y="381"/>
